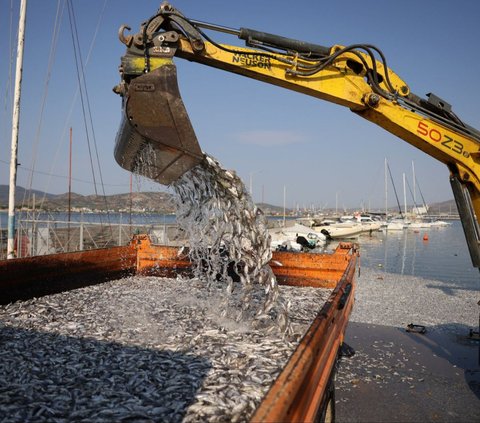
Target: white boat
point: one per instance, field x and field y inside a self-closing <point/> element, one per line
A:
<point x="343" y="230"/>
<point x="426" y="225"/>
<point x="438" y="223"/>
<point x="288" y="238"/>
<point x="368" y="224"/>
<point x="420" y="225"/>
<point x="396" y="225"/>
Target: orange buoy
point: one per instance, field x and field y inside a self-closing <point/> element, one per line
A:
<point x="425" y="237"/>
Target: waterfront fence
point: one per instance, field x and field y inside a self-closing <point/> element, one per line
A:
<point x="39" y="237"/>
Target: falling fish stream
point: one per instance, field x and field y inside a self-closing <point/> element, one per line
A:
<point x="229" y="241"/>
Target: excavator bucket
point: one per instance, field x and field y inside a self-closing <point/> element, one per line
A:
<point x="156" y="138"/>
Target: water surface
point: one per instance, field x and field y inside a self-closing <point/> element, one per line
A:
<point x="444" y="256"/>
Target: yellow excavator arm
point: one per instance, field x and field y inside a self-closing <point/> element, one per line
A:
<point x="156" y="138"/>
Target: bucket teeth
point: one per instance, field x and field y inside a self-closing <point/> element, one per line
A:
<point x="156" y="138"/>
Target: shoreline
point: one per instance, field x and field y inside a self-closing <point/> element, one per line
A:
<point x="393" y="299"/>
<point x="400" y="376"/>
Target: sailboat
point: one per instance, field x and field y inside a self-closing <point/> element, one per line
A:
<point x="393" y="224"/>
<point x="419" y="212"/>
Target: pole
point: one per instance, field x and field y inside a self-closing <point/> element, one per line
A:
<point x="251" y="181"/>
<point x="15" y="126"/>
<point x="80" y="241"/>
<point x="69" y="191"/>
<point x="386" y="191"/>
<point x="131" y="201"/>
<point x="414" y="187"/>
<point x="32" y="238"/>
<point x="120" y="231"/>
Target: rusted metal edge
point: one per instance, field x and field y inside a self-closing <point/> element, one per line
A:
<point x="30" y="277"/>
<point x="297" y="392"/>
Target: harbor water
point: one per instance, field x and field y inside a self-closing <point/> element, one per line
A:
<point x="438" y="253"/>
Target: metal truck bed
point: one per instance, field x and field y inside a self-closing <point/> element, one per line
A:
<point x="297" y="389"/>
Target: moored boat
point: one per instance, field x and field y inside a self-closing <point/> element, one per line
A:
<point x="342" y="230"/>
<point x="395" y="225"/>
<point x="295" y="238"/>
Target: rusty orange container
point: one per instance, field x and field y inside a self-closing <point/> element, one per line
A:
<point x="300" y="392"/>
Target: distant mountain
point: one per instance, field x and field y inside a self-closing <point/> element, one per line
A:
<point x="270" y="209"/>
<point x="139" y="201"/>
<point x="443" y="207"/>
<point x="159" y="202"/>
<point x="20" y="194"/>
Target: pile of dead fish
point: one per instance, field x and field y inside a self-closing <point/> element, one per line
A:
<point x="140" y="349"/>
<point x="229" y="240"/>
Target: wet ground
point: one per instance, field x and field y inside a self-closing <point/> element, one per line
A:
<point x="396" y="376"/>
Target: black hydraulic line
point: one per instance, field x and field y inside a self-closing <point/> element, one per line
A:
<point x="368" y="49"/>
<point x="384" y="63"/>
<point x="234" y="51"/>
<point x="371" y="73"/>
<point x="276" y="41"/>
<point x="285" y="43"/>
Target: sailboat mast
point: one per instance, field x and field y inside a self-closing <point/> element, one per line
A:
<point x="15" y="127"/>
<point x="414" y="186"/>
<point x="386" y="189"/>
<point x="69" y="189"/>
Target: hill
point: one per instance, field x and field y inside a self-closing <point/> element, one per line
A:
<point x="443" y="207"/>
<point x="140" y="201"/>
<point x="158" y="202"/>
<point x="20" y="194"/>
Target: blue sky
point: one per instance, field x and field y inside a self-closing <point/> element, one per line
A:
<point x="318" y="151"/>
